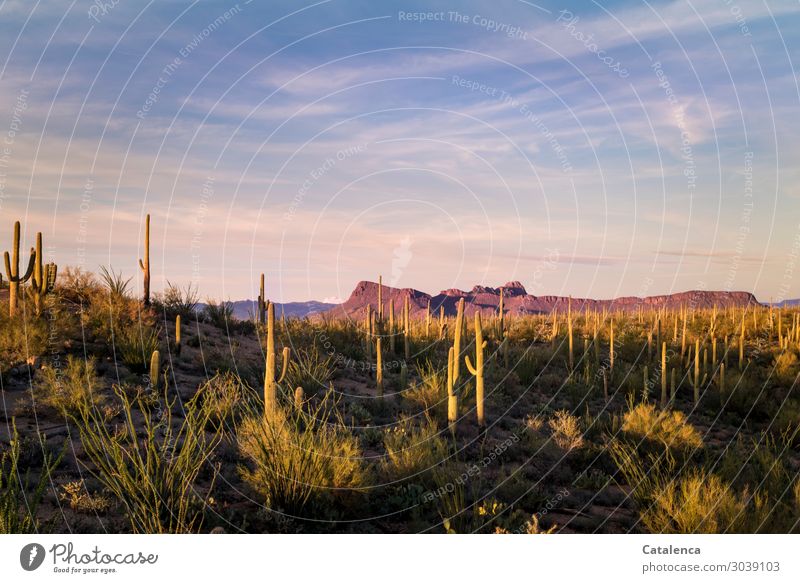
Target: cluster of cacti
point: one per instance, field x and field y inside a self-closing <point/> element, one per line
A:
<point x="271" y="382"/>
<point x="43" y="279"/>
<point x="42" y="276"/>
<point x="12" y="271"/>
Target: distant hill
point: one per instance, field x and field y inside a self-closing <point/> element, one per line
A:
<point x="244" y="309"/>
<point x="518" y="301"/>
<point x="787" y="303"/>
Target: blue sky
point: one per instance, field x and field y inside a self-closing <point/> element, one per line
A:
<point x="591" y="149"/>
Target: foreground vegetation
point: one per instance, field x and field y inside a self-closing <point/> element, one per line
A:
<point x="150" y="415"/>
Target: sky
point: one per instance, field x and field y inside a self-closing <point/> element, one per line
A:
<point x="582" y="148"/>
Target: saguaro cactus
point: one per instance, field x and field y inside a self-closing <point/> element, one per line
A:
<point x="43" y="279"/>
<point x="12" y="271"/>
<point x="380" y="299"/>
<point x="406" y="329"/>
<point x="452" y="397"/>
<point x="663" y="374"/>
<point x="178" y="335"/>
<point x="155" y="369"/>
<point x="501" y="314"/>
<point x="379" y="368"/>
<point x="262" y="303"/>
<point x="270" y="382"/>
<point x="569" y="331"/>
<point x="391" y="327"/>
<point x="144" y="265"/>
<point x="457" y="338"/>
<point x="477" y="370"/>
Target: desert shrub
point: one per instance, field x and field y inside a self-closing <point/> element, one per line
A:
<point x="76" y="285"/>
<point x="786" y="366"/>
<point x="81" y="500"/>
<point x="298" y="459"/>
<point x="70" y="388"/>
<point x="413" y="449"/>
<point x="309" y="368"/>
<point x="226" y="397"/>
<point x="116" y="285"/>
<point x="19" y="498"/>
<point x="431" y="391"/>
<point x="218" y="314"/>
<point x="667" y="428"/>
<point x="174" y="301"/>
<point x="22" y="337"/>
<point x="567" y="433"/>
<point x="697" y="503"/>
<point x="135" y="345"/>
<point x="151" y="462"/>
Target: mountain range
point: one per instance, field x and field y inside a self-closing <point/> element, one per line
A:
<point x="518" y="301"/>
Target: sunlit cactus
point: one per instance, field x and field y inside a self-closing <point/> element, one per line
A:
<point x="144" y="265"/>
<point x="477" y="369"/>
<point x="12" y="271"/>
<point x="270" y="381"/>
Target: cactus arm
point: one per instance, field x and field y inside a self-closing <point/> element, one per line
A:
<point x="31" y="264"/>
<point x="141" y="265"/>
<point x="485" y="343"/>
<point x="9" y="275"/>
<point x="471" y="368"/>
<point x="286" y="355"/>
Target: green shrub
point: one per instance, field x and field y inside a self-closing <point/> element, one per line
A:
<point x="70" y="388"/>
<point x="413" y="450"/>
<point x="309" y="368"/>
<point x="135" y="345"/>
<point x="151" y="462"/>
<point x="298" y="459"/>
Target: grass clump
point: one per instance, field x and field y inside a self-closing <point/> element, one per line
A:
<point x="310" y="368"/>
<point x="297" y="460"/>
<point x="136" y="344"/>
<point x="412" y="450"/>
<point x="151" y="463"/>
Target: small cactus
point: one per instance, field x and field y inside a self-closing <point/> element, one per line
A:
<point x="155" y="369"/>
<point x="178" y="335"/>
<point x="299" y="397"/>
<point x="262" y="303"/>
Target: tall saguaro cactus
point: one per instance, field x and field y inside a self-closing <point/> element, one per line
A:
<point x="262" y="303"/>
<point x="270" y="382"/>
<point x="12" y="271"/>
<point x="43" y="279"/>
<point x="145" y="265"/>
<point x="452" y="397"/>
<point x="477" y="370"/>
<point x="457" y="338"/>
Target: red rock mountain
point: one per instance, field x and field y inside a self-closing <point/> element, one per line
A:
<point x="518" y="302"/>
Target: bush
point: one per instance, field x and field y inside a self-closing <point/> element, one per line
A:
<point x="70" y="389"/>
<point x="135" y="345"/>
<point x="667" y="428"/>
<point x="219" y="314"/>
<point x="22" y="338"/>
<point x="412" y="450"/>
<point x="309" y="368"/>
<point x="431" y="392"/>
<point x="698" y="503"/>
<point x="226" y="397"/>
<point x="297" y="459"/>
<point x="154" y="477"/>
<point x="175" y="301"/>
<point x="566" y="430"/>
